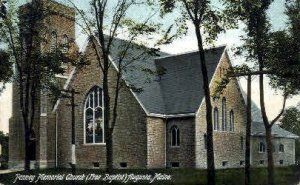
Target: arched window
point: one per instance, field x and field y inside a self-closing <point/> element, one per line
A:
<point x="216" y="119"/>
<point x="175" y="136"/>
<point x="224" y="120"/>
<point x="93" y="117"/>
<point x="53" y="42"/>
<point x="231" y="121"/>
<point x="262" y="147"/>
<point x="65" y="44"/>
<point x="281" y="148"/>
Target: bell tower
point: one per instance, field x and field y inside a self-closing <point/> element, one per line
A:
<point x="53" y="29"/>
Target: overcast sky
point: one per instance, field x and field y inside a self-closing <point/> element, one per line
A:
<point x="231" y="38"/>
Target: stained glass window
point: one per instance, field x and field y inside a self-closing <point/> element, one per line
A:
<point x="93" y="117"/>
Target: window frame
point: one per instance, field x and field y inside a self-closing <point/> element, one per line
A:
<point x="224" y="115"/>
<point x="177" y="136"/>
<point x="94" y="109"/>
<point x="261" y="147"/>
<point x="281" y="148"/>
<point x="216" y="119"/>
<point x="53" y="41"/>
<point x="231" y="121"/>
<point x="65" y="44"/>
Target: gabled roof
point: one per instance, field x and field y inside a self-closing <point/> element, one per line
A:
<point x="179" y="90"/>
<point x="258" y="128"/>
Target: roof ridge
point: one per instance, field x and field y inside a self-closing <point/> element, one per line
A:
<point x="191" y="51"/>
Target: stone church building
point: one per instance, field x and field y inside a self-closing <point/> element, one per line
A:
<point x="161" y="126"/>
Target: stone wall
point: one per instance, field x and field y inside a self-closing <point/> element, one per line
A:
<point x="280" y="158"/>
<point x="129" y="137"/>
<point x="156" y="143"/>
<point x="184" y="154"/>
<point x="227" y="144"/>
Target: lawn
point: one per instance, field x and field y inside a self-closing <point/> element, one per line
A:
<point x="284" y="176"/>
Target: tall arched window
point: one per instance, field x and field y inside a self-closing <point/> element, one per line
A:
<point x="224" y="120"/>
<point x="281" y="148"/>
<point x="231" y="120"/>
<point x="65" y="44"/>
<point x="53" y="41"/>
<point x="175" y="136"/>
<point x="93" y="117"/>
<point x="216" y="119"/>
<point x="261" y="147"/>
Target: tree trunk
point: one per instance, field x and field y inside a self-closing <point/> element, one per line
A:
<point x="27" y="151"/>
<point x="270" y="156"/>
<point x="107" y="126"/>
<point x="109" y="152"/>
<point x="209" y="130"/>
<point x="248" y="133"/>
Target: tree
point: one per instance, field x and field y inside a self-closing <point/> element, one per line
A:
<point x="4" y="145"/>
<point x="291" y="122"/>
<point x="260" y="47"/>
<point x="35" y="67"/>
<point x="206" y="21"/>
<point x="6" y="70"/>
<point x="108" y="20"/>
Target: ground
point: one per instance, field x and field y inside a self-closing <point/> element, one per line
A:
<point x="284" y="176"/>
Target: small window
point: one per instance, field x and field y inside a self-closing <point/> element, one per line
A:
<point x="231" y="121"/>
<point x="175" y="136"/>
<point x="205" y="141"/>
<point x="175" y="164"/>
<point x="224" y="117"/>
<point x="274" y="148"/>
<point x="65" y="44"/>
<point x="216" y="119"/>
<point x="261" y="162"/>
<point x="224" y="163"/>
<point x="242" y="163"/>
<point x="96" y="164"/>
<point x="281" y="148"/>
<point x="53" y="41"/>
<point x="281" y="162"/>
<point x="262" y="147"/>
<point x="123" y="165"/>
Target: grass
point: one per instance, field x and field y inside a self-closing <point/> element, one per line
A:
<point x="284" y="176"/>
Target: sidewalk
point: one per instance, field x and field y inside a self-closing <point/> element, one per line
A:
<point x="9" y="171"/>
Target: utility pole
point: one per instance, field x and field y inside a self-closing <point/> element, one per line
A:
<point x="71" y="95"/>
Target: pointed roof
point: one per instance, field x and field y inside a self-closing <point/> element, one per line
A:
<point x="179" y="90"/>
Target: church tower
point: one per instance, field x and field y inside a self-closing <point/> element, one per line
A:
<point x="55" y="29"/>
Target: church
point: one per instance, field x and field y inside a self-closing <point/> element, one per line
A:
<point x="162" y="126"/>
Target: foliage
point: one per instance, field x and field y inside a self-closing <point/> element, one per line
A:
<point x="291" y="122"/>
<point x="36" y="65"/>
<point x="4" y="144"/>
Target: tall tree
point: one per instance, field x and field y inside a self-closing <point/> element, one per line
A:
<point x="262" y="48"/>
<point x="23" y="33"/>
<point x="108" y="20"/>
<point x="207" y="22"/>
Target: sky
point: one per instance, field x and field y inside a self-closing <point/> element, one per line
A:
<point x="188" y="43"/>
